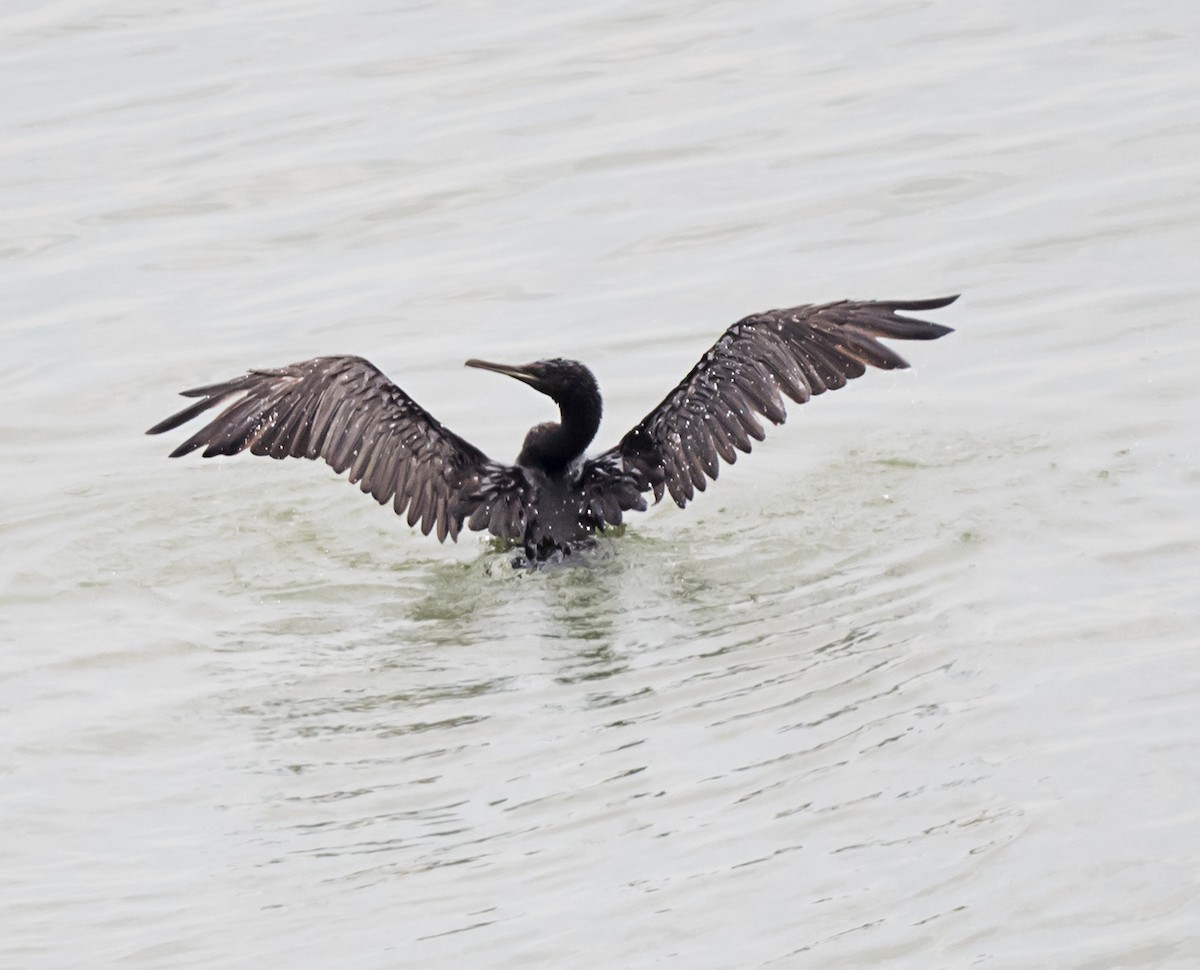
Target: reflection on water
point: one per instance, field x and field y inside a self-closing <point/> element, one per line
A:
<point x="513" y="690"/>
<point x="914" y="685"/>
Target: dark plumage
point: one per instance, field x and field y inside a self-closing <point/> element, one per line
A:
<point x="344" y="410"/>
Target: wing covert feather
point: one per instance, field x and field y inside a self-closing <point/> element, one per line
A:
<point x="344" y="411"/>
<point x="714" y="411"/>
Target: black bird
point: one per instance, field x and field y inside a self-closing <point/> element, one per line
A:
<point x="344" y="410"/>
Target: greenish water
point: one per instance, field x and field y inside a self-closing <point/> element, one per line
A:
<point x="913" y="685"/>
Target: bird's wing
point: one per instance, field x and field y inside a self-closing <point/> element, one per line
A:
<point x="345" y="411"/>
<point x="713" y="412"/>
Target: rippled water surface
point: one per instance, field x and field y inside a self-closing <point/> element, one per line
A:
<point x="915" y="685"/>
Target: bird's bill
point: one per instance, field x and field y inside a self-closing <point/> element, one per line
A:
<point x="520" y="371"/>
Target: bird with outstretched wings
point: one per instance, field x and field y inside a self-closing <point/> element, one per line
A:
<point x="344" y="411"/>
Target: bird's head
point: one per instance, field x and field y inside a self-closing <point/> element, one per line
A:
<point x="554" y="447"/>
<point x="566" y="381"/>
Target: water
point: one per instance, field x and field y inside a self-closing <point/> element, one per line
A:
<point x="914" y="685"/>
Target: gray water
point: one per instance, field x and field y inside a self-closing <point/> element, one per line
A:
<point x="915" y="685"/>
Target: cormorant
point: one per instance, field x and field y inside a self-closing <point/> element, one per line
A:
<point x="345" y="411"/>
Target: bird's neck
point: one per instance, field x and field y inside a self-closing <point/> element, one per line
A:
<point x="552" y="448"/>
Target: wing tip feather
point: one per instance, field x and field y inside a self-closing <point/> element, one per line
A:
<point x="932" y="303"/>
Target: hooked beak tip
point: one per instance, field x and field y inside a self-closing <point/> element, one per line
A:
<point x="510" y="370"/>
<point x="485" y="365"/>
